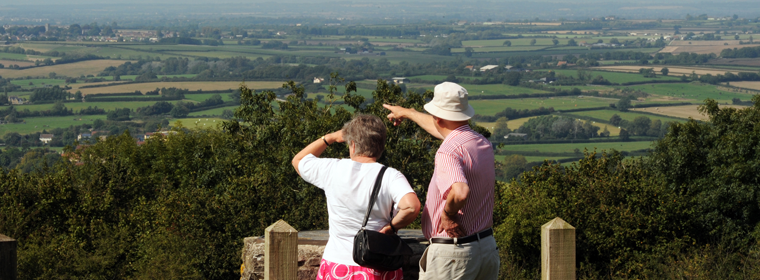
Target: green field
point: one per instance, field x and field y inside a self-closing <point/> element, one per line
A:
<point x="82" y="105"/>
<point x="203" y="96"/>
<point x="532" y="158"/>
<point x="14" y="56"/>
<point x="500" y="49"/>
<point x="498" y="89"/>
<point x="213" y="112"/>
<point x="429" y="77"/>
<point x="692" y="91"/>
<point x="37" y="83"/>
<point x="198" y="122"/>
<point x="629" y="116"/>
<point x="493" y="106"/>
<point x="515" y="42"/>
<point x="617" y="77"/>
<point x="36" y="124"/>
<point x="587" y="88"/>
<point x="570" y="147"/>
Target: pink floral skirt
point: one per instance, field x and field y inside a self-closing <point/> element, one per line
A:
<point x="332" y="271"/>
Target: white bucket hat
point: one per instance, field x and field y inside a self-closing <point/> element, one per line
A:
<point x="450" y="103"/>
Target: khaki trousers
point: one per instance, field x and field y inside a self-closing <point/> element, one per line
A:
<point x="474" y="260"/>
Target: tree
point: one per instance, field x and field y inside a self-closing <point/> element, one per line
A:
<point x="555" y="42"/>
<point x="179" y="110"/>
<point x="533" y="42"/>
<point x="664" y="71"/>
<point x="641" y="126"/>
<point x="624" y="104"/>
<point x="571" y="42"/>
<point x="605" y="132"/>
<point x="507" y="43"/>
<point x="615" y="120"/>
<point x="614" y="41"/>
<point x="624" y="135"/>
<point x="512" y="167"/>
<point x="500" y="129"/>
<point x="468" y="51"/>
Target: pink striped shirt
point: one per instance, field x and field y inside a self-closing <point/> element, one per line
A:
<point x="464" y="156"/>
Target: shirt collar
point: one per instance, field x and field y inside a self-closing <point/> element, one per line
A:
<point x="454" y="133"/>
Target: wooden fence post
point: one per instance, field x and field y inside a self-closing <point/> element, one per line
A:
<point x="8" y="260"/>
<point x="557" y="250"/>
<point x="280" y="252"/>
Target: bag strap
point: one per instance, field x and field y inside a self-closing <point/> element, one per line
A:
<point x="375" y="190"/>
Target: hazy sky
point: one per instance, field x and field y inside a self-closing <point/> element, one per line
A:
<point x="68" y="11"/>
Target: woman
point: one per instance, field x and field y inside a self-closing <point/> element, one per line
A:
<point x="348" y="184"/>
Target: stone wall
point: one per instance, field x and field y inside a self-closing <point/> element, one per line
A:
<point x="309" y="257"/>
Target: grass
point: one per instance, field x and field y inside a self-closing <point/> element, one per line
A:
<point x="515" y="42"/>
<point x="36" y="124"/>
<point x="90" y="67"/>
<point x="691" y="91"/>
<point x="132" y="77"/>
<point x="198" y="122"/>
<point x="500" y="49"/>
<point x="492" y="106"/>
<point x="617" y="77"/>
<point x="532" y="158"/>
<point x="38" y="83"/>
<point x="213" y="112"/>
<point x="498" y="89"/>
<point x="76" y="106"/>
<point x="629" y="116"/>
<point x="517" y="123"/>
<point x="570" y="147"/>
<point x="16" y="56"/>
<point x="429" y="77"/>
<point x="192" y="86"/>
<point x="204" y="96"/>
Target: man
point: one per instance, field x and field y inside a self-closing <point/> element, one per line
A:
<point x="458" y="215"/>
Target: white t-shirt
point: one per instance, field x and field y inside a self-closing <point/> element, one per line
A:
<point x="348" y="185"/>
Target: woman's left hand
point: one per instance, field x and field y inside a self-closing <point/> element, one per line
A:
<point x="335" y="137"/>
<point x="387" y="230"/>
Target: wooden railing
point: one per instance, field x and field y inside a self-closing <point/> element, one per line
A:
<point x="8" y="258"/>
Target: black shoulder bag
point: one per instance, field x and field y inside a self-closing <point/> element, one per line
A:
<point x="376" y="250"/>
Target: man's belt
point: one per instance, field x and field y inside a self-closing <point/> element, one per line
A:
<point x="463" y="240"/>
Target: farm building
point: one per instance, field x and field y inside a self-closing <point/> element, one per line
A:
<point x="516" y="135"/>
<point x="318" y="80"/>
<point x="488" y="67"/>
<point x="84" y="136"/>
<point x="400" y="80"/>
<point x="16" y="100"/>
<point x="46" y="138"/>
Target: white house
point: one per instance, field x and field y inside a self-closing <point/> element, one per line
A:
<point x="318" y="80"/>
<point x="488" y="67"/>
<point x="400" y="80"/>
<point x="46" y="138"/>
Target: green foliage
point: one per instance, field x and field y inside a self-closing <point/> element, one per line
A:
<point x="690" y="209"/>
<point x="179" y="206"/>
<point x="619" y="211"/>
<point x="48" y="94"/>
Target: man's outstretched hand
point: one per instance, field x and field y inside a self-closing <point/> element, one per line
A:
<point x="397" y="115"/>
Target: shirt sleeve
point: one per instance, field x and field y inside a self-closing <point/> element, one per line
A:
<point x="399" y="187"/>
<point x="316" y="170"/>
<point x="448" y="171"/>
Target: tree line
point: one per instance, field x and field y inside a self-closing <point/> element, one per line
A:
<point x="117" y="209"/>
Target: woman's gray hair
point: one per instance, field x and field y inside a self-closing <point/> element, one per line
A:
<point x="368" y="134"/>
